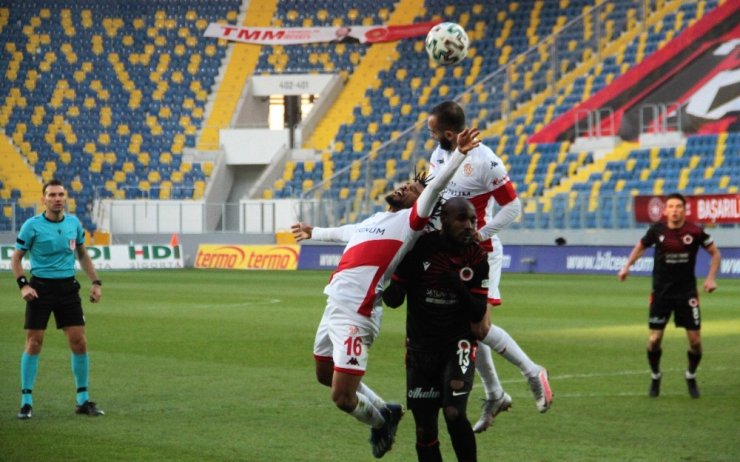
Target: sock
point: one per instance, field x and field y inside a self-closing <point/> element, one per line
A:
<point x="376" y="400"/>
<point x="29" y="368"/>
<point x="503" y="344"/>
<point x="81" y="369"/>
<point x="462" y="438"/>
<point x="428" y="452"/>
<point x="366" y="413"/>
<point x="694" y="360"/>
<point x="487" y="371"/>
<point x="654" y="361"/>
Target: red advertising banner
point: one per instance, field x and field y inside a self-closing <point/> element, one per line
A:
<point x="710" y="208"/>
<point x="301" y="35"/>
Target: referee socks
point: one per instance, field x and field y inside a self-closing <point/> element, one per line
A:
<point x="81" y="371"/>
<point x="29" y="368"/>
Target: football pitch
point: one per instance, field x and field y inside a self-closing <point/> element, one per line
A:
<point x="213" y="366"/>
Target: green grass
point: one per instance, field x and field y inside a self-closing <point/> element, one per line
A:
<point x="210" y="365"/>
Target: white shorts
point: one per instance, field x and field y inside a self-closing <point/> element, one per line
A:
<point x="344" y="337"/>
<point x="495" y="263"/>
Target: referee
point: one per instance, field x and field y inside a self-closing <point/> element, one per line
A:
<point x="52" y="239"/>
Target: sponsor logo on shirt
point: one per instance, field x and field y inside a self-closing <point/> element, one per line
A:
<point x="369" y="230"/>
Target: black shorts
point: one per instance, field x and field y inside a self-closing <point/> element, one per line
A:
<point x="428" y="376"/>
<point x="686" y="309"/>
<point x="58" y="296"/>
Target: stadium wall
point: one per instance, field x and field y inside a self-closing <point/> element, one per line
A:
<point x="525" y="250"/>
<point x="565" y="259"/>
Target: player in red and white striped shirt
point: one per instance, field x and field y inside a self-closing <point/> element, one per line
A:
<point x="351" y="320"/>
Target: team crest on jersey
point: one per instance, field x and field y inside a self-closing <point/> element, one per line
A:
<point x="693" y="302"/>
<point x="661" y="238"/>
<point x="426" y="265"/>
<point x="468" y="169"/>
<point x="353" y="330"/>
<point x="688" y="239"/>
<point x="72" y="244"/>
<point x="466" y="273"/>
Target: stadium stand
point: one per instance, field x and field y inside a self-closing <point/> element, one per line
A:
<point x="106" y="96"/>
<point x="398" y="101"/>
<point x="109" y="97"/>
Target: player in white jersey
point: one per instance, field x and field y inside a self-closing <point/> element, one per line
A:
<point x="351" y="320"/>
<point x="483" y="180"/>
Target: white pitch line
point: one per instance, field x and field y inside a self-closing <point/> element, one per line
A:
<point x="244" y="304"/>
<point x="645" y="371"/>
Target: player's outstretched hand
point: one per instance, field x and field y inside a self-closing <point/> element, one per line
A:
<point x="301" y="231"/>
<point x="622" y="275"/>
<point x="710" y="285"/>
<point x="467" y="140"/>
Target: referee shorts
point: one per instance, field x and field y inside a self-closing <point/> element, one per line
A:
<point x="58" y="296"/>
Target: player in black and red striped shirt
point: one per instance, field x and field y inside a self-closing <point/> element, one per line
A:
<point x="444" y="278"/>
<point x="676" y="242"/>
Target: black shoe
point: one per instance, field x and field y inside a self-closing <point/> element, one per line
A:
<point x="26" y="412"/>
<point x="89" y="408"/>
<point x="693" y="388"/>
<point x="381" y="439"/>
<point x="654" y="391"/>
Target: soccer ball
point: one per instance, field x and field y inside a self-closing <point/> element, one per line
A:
<point x="447" y="43"/>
